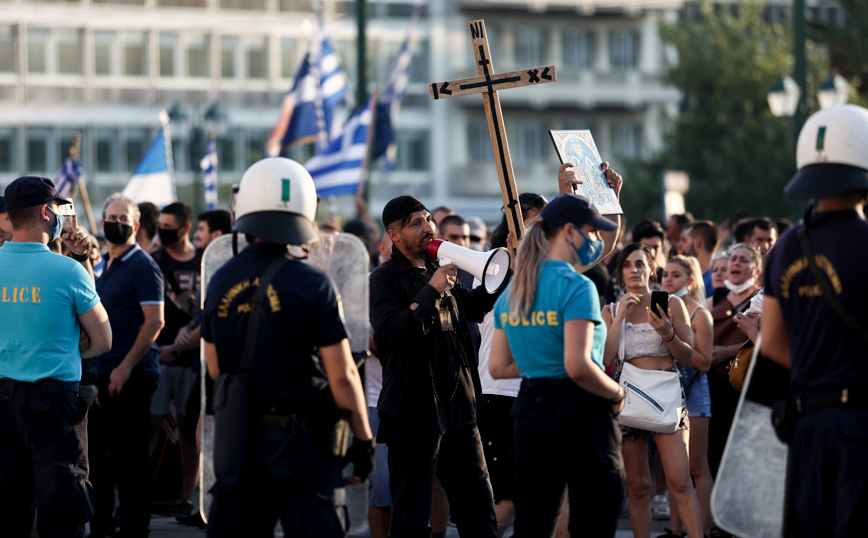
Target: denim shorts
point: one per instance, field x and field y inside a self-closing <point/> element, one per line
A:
<point x="378" y="483"/>
<point x="699" y="398"/>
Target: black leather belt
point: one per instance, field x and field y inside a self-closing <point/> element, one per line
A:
<point x="835" y="398"/>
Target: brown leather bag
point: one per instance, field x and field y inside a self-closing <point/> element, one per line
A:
<point x="726" y="332"/>
<point x="739" y="365"/>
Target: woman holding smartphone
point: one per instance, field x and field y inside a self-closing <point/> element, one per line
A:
<point x="682" y="278"/>
<point x="549" y="332"/>
<point x="652" y="342"/>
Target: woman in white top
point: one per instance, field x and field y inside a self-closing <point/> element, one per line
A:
<point x="682" y="278"/>
<point x="653" y="343"/>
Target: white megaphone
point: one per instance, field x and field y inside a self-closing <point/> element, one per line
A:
<point x="490" y="268"/>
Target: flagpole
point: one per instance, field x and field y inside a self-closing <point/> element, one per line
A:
<point x="74" y="152"/>
<point x="167" y="138"/>
<point x="360" y="192"/>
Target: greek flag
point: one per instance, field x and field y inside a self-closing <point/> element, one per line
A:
<point x="208" y="164"/>
<point x="390" y="104"/>
<point x="340" y="167"/>
<point x="153" y="180"/>
<point x="66" y="178"/>
<point x="307" y="113"/>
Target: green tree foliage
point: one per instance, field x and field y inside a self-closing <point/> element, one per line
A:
<point x="848" y="46"/>
<point x="738" y="156"/>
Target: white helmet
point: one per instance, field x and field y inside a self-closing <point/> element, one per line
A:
<point x="276" y="202"/>
<point x="832" y="154"/>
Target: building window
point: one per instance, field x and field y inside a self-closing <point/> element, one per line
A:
<point x="106" y="150"/>
<point x="168" y="46"/>
<point x="228" y="46"/>
<point x="530" y="138"/>
<point x="578" y="49"/>
<point x="137" y="143"/>
<point x="197" y="55"/>
<point x="37" y="50"/>
<point x="7" y="149"/>
<point x="257" y="57"/>
<point x="38" y="142"/>
<point x="135" y="59"/>
<point x="69" y="51"/>
<point x="7" y="49"/>
<point x="227" y="148"/>
<point x="528" y="46"/>
<point x="479" y="142"/>
<point x="627" y="139"/>
<point x="419" y="62"/>
<point x="412" y="150"/>
<point x="256" y="141"/>
<point x="103" y="52"/>
<point x="623" y="51"/>
<point x="288" y="57"/>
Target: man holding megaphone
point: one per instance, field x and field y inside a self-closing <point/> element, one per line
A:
<point x="427" y="407"/>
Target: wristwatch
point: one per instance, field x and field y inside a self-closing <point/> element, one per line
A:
<point x="175" y="352"/>
<point x="78" y="257"/>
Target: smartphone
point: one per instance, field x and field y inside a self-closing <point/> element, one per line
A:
<point x="659" y="299"/>
<point x="67" y="214"/>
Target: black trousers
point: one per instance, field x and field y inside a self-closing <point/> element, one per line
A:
<point x="43" y="459"/>
<point x="829" y="480"/>
<point x="118" y="432"/>
<point x="724" y="401"/>
<point x="456" y="458"/>
<point x="291" y="481"/>
<point x="565" y="436"/>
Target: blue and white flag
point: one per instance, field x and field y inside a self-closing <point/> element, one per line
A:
<point x="307" y="113"/>
<point x="340" y="168"/>
<point x="66" y="178"/>
<point x="208" y="164"/>
<point x="153" y="180"/>
<point x="390" y="103"/>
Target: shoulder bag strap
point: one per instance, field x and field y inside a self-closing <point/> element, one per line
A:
<point x="823" y="281"/>
<point x="256" y="313"/>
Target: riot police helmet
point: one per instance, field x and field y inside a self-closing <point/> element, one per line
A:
<point x="831" y="154"/>
<point x="277" y="202"/>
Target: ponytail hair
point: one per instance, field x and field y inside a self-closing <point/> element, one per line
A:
<point x="531" y="252"/>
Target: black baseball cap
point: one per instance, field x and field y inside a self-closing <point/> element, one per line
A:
<point x="400" y="207"/>
<point x="31" y="191"/>
<point x="575" y="209"/>
<point x="3" y="204"/>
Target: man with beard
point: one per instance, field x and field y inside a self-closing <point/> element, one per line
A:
<point x="180" y="262"/>
<point x="131" y="287"/>
<point x="5" y="223"/>
<point x="427" y="407"/>
<point x="700" y="241"/>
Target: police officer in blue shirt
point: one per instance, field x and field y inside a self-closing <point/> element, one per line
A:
<point x="814" y="322"/>
<point x="292" y="479"/>
<point x="45" y="302"/>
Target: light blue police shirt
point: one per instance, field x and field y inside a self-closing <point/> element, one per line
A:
<point x="41" y="294"/>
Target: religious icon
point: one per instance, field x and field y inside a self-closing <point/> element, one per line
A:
<point x="578" y="148"/>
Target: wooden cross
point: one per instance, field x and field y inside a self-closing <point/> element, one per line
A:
<point x="488" y="83"/>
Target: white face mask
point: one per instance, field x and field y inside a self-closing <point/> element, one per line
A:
<point x="741" y="287"/>
<point x="680" y="293"/>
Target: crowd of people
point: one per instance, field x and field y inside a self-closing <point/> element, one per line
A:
<point x="518" y="408"/>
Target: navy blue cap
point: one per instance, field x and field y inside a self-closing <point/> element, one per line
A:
<point x="31" y="191"/>
<point x="2" y="204"/>
<point x="575" y="209"/>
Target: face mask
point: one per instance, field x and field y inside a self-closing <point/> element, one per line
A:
<point x="57" y="228"/>
<point x="169" y="237"/>
<point x="681" y="293"/>
<point x="117" y="232"/>
<point x="590" y="251"/>
<point x="740" y="288"/>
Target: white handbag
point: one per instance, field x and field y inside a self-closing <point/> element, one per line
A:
<point x="653" y="398"/>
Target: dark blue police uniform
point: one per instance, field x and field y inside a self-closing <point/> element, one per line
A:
<point x="291" y="479"/>
<point x="829" y="450"/>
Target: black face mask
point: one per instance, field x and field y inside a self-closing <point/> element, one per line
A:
<point x="169" y="237"/>
<point x="117" y="232"/>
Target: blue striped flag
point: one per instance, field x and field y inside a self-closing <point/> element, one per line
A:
<point x="153" y="180"/>
<point x="307" y="113"/>
<point x="208" y="164"/>
<point x="390" y="104"/>
<point x="66" y="178"/>
<point x="340" y="167"/>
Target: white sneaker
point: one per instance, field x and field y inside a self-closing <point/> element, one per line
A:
<point x="659" y="507"/>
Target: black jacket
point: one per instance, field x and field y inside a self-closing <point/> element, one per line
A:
<point x="430" y="378"/>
